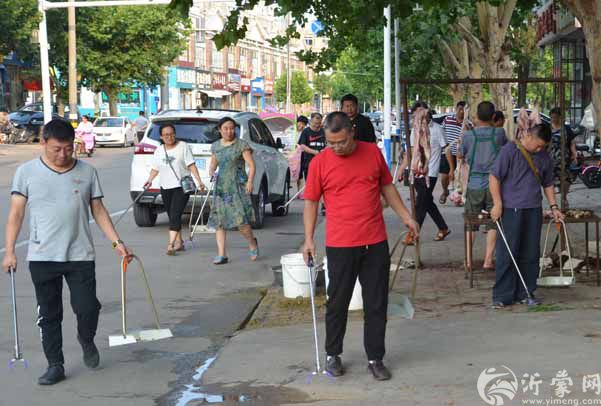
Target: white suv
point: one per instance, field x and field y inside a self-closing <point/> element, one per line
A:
<point x="199" y="129"/>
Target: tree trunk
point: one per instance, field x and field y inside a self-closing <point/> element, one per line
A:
<point x="523" y="73"/>
<point x="60" y="104"/>
<point x="112" y="97"/>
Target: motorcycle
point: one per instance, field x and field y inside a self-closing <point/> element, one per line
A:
<point x="85" y="142"/>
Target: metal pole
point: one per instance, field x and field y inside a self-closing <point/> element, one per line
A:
<point x="288" y="75"/>
<point x="562" y="176"/>
<point x="72" y="63"/>
<point x="397" y="91"/>
<point x="387" y="87"/>
<point x="43" y="37"/>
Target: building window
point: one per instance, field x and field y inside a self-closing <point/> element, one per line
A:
<point x="200" y="29"/>
<point x="308" y="41"/>
<point x="231" y="62"/>
<point x="200" y="61"/>
<point x="216" y="58"/>
<point x="242" y="65"/>
<point x="570" y="62"/>
<point x="264" y="64"/>
<point x="254" y="63"/>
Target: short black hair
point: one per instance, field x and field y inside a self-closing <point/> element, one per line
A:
<point x="225" y="120"/>
<point x="337" y="121"/>
<point x="3" y="110"/>
<point x="498" y="115"/>
<point x="486" y="111"/>
<point x="142" y="112"/>
<point x="542" y="131"/>
<point x="555" y="110"/>
<point x="58" y="129"/>
<point x="316" y="114"/>
<point x="419" y="104"/>
<point x="349" y="97"/>
<point x="302" y="119"/>
<point x="460" y="104"/>
<point x="166" y="125"/>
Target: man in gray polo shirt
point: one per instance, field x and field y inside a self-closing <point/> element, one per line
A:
<point x="60" y="192"/>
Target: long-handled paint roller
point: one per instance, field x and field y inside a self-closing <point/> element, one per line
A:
<point x="17" y="355"/>
<point x="131" y="205"/>
<point x="301" y="190"/>
<point x="202" y="228"/>
<point x="142" y="335"/>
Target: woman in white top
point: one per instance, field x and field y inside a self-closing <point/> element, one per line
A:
<point x="173" y="160"/>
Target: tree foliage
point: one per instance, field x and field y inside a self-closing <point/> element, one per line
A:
<point x="19" y="19"/>
<point x="123" y="46"/>
<point x="300" y="91"/>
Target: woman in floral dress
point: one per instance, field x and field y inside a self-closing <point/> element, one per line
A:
<point x="232" y="206"/>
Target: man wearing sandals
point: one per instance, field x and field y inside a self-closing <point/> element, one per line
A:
<point x="352" y="176"/>
<point x="452" y="126"/>
<point x="480" y="148"/>
<point x="515" y="184"/>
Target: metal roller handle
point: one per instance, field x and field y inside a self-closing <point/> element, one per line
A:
<point x="17" y="353"/>
<point x="311" y="266"/>
<point x="212" y="183"/>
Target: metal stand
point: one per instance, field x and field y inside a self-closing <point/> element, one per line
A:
<point x="17" y="355"/>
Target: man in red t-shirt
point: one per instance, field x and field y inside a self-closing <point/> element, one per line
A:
<point x="351" y="176"/>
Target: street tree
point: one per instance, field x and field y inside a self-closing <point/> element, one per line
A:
<point x="19" y="19"/>
<point x="300" y="91"/>
<point x="123" y="47"/>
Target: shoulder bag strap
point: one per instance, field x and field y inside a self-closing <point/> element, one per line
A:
<point x="529" y="160"/>
<point x="169" y="162"/>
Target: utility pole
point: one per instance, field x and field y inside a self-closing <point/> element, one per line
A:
<point x="288" y="74"/>
<point x="397" y="91"/>
<point x="72" y="63"/>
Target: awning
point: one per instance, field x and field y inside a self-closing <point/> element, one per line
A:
<point x="216" y="94"/>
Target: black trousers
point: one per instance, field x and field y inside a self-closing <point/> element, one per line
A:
<point x="424" y="203"/>
<point x="522" y="228"/>
<point x="175" y="201"/>
<point x="372" y="265"/>
<point x="47" y="279"/>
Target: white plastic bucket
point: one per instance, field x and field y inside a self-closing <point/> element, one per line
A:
<point x="357" y="298"/>
<point x="295" y="276"/>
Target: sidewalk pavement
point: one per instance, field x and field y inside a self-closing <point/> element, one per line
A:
<point x="436" y="358"/>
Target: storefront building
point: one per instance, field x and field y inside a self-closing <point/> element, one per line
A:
<point x="559" y="29"/>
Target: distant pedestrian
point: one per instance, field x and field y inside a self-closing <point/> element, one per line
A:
<point x="351" y="176"/>
<point x="140" y="125"/>
<point x="6" y="127"/>
<point x="480" y="148"/>
<point x="312" y="141"/>
<point x="555" y="145"/>
<point x="172" y="161"/>
<point x="232" y="205"/>
<point x="425" y="180"/>
<point x="60" y="192"/>
<point x="452" y="126"/>
<point x="301" y="123"/>
<point x="363" y="129"/>
<point x="515" y="184"/>
<point x="499" y="119"/>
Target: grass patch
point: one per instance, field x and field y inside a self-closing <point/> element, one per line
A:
<point x="547" y="308"/>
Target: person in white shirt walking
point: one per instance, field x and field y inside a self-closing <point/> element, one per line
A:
<point x="173" y="160"/>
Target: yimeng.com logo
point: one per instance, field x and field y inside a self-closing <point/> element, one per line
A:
<point x="496" y="387"/>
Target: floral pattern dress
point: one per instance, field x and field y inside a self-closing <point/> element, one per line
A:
<point x="232" y="206"/>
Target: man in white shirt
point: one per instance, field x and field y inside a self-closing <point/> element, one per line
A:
<point x="140" y="125"/>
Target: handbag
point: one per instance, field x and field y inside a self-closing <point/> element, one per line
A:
<point x="186" y="182"/>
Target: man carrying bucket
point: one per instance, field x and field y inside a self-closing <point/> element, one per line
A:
<point x="60" y="191"/>
<point x="352" y="175"/>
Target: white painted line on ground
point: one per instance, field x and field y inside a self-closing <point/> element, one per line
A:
<point x="25" y="242"/>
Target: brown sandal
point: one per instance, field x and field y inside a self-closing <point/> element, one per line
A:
<point x="442" y="234"/>
<point x="180" y="247"/>
<point x="170" y="250"/>
<point x="443" y="198"/>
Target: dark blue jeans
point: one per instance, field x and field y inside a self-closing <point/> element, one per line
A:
<point x="522" y="229"/>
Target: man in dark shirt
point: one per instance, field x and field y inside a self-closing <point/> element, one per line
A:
<point x="312" y="140"/>
<point x="363" y="129"/>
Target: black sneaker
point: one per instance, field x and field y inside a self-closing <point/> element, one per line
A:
<point x="379" y="370"/>
<point x="54" y="374"/>
<point x="91" y="357"/>
<point x="334" y="365"/>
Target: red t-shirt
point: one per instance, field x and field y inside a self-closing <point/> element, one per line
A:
<point x="351" y="186"/>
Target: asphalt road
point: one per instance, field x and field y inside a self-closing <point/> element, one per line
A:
<point x="202" y="304"/>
